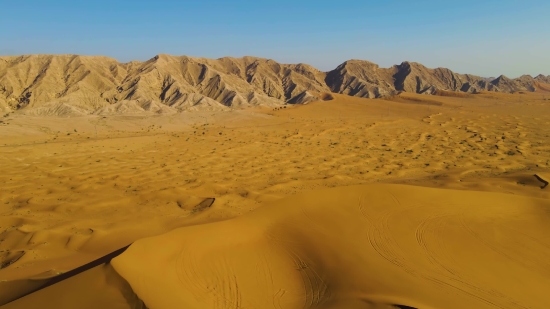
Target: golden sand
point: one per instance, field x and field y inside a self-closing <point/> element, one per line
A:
<point x="75" y="189"/>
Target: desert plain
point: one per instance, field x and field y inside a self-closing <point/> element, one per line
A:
<point x="407" y="201"/>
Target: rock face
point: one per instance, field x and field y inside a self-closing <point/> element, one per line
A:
<point x="543" y="79"/>
<point x="366" y="79"/>
<point x="414" y="77"/>
<point x="72" y="84"/>
<point x="180" y="83"/>
<point x="363" y="79"/>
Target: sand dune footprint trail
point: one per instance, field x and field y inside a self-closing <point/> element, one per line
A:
<point x="354" y="247"/>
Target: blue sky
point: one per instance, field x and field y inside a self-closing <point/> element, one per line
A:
<point x="486" y="38"/>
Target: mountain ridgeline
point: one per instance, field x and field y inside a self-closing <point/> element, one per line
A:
<point x="80" y="85"/>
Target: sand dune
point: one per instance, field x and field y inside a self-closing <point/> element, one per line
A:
<point x="348" y="248"/>
<point x="387" y="244"/>
<point x="75" y="189"/>
<point x="543" y="87"/>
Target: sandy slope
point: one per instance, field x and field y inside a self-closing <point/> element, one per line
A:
<point x="391" y="244"/>
<point x="77" y="188"/>
<point x="343" y="248"/>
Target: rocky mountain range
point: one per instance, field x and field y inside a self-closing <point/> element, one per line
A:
<point x="73" y="84"/>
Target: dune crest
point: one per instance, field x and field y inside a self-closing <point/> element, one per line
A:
<point x="359" y="245"/>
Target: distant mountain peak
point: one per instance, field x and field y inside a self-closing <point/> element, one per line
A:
<point x="87" y="84"/>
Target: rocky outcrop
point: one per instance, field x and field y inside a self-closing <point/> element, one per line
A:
<point x="508" y="85"/>
<point x="366" y="79"/>
<point x="362" y="78"/>
<point x="543" y="79"/>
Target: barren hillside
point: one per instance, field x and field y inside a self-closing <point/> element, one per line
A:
<point x="75" y="85"/>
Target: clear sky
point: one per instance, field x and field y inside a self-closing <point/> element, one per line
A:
<point x="486" y="38"/>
